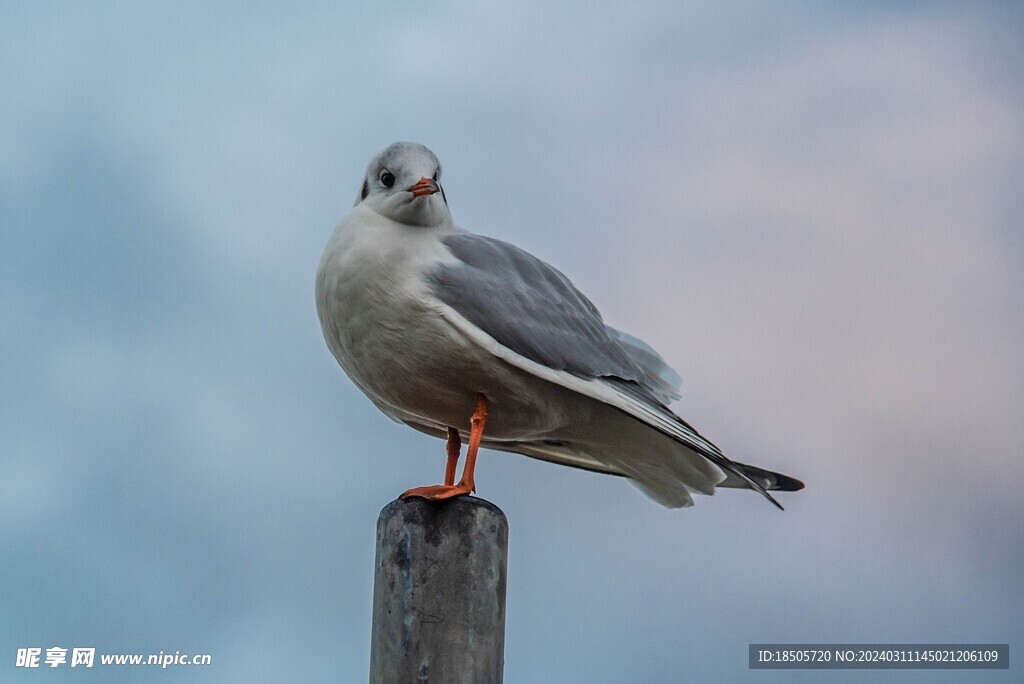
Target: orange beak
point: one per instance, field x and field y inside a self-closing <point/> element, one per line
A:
<point x="424" y="186"/>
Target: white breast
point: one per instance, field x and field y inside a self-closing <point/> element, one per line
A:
<point x="384" y="326"/>
<point x="379" y="320"/>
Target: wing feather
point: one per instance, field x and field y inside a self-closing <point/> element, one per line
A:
<point x="530" y="315"/>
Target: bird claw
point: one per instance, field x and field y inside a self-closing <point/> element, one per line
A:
<point x="438" y="492"/>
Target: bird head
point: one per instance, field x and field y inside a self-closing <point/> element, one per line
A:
<point x="402" y="183"/>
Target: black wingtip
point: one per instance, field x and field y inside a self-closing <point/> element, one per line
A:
<point x="740" y="471"/>
<point x="785" y="483"/>
<point x="756" y="486"/>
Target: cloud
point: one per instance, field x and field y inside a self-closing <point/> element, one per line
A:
<point x="855" y="256"/>
<point x="812" y="215"/>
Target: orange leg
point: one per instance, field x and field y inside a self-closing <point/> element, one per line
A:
<point x="466" y="484"/>
<point x="454" y="447"/>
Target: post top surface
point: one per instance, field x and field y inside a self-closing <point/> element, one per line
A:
<point x="458" y="505"/>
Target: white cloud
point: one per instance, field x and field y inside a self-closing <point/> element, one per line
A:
<point x="827" y="241"/>
<point x="807" y="217"/>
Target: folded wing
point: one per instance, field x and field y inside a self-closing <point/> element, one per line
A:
<point x="532" y="316"/>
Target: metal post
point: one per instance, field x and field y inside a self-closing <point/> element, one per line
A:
<point x="439" y="593"/>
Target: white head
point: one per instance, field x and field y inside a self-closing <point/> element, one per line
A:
<point x="402" y="184"/>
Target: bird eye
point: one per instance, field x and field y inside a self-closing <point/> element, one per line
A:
<point x="388" y="179"/>
<point x="437" y="172"/>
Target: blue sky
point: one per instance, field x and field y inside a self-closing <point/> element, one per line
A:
<point x="814" y="214"/>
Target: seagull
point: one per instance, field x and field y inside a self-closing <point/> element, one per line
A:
<point x="466" y="337"/>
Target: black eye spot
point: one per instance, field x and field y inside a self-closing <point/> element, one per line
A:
<point x="387" y="178"/>
<point x="365" y="190"/>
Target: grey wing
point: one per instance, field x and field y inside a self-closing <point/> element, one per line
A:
<point x="659" y="377"/>
<point x="532" y="309"/>
<point x="535" y="310"/>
